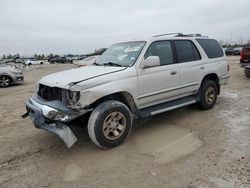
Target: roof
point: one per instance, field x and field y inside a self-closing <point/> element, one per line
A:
<point x="170" y="36"/>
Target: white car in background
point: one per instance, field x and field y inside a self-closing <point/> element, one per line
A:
<point x="33" y="62"/>
<point x="87" y="61"/>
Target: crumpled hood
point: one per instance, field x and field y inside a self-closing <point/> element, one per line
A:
<point x="65" y="78"/>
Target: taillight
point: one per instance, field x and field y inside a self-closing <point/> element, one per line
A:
<point x="241" y="54"/>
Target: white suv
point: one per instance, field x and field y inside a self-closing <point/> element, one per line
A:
<point x="131" y="80"/>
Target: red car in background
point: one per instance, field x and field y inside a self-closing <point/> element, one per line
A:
<point x="245" y="60"/>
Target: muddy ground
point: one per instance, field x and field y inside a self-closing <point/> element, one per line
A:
<point x="186" y="147"/>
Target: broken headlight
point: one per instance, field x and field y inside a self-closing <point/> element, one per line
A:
<point x="70" y="97"/>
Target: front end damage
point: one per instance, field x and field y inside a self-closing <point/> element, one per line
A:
<point x="53" y="116"/>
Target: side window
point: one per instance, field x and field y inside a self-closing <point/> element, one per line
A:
<point x="162" y="49"/>
<point x="186" y="51"/>
<point x="211" y="48"/>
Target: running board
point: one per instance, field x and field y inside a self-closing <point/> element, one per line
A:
<point x="167" y="106"/>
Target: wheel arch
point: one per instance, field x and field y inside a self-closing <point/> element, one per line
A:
<point x="214" y="77"/>
<point x="122" y="96"/>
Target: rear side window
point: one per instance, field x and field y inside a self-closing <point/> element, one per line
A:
<point x="211" y="48"/>
<point x="186" y="51"/>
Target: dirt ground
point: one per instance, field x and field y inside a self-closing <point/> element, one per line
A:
<point x="186" y="147"/>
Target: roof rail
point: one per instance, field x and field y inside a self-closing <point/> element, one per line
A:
<point x="181" y="35"/>
<point x="177" y="34"/>
<point x="193" y="35"/>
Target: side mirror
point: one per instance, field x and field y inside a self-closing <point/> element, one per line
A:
<point x="151" y="61"/>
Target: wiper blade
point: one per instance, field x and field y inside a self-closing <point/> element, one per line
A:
<point x="97" y="64"/>
<point x="112" y="64"/>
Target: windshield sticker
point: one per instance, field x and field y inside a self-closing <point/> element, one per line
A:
<point x="132" y="49"/>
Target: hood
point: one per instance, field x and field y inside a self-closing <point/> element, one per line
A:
<point x="70" y="77"/>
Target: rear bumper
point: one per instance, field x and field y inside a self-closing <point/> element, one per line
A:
<point x="243" y="65"/>
<point x="52" y="117"/>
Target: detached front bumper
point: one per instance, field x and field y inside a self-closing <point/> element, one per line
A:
<point x="52" y="116"/>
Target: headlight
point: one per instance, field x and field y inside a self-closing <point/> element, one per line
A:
<point x="74" y="96"/>
<point x="70" y="97"/>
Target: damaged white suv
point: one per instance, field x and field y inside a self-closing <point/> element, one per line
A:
<point x="131" y="80"/>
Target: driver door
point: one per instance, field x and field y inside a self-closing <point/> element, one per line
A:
<point x="158" y="84"/>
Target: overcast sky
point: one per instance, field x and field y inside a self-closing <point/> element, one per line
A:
<point x="80" y="26"/>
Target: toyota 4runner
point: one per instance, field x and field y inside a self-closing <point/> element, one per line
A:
<point x="131" y="80"/>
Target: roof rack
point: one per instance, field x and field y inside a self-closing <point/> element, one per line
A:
<point x="193" y="35"/>
<point x="177" y="34"/>
<point x="181" y="35"/>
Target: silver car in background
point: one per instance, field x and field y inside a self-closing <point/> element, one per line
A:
<point x="10" y="76"/>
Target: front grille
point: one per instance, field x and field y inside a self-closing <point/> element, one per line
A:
<point x="50" y="93"/>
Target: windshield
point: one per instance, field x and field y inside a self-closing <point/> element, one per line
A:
<point x="122" y="54"/>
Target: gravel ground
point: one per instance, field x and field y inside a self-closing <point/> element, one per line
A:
<point x="186" y="147"/>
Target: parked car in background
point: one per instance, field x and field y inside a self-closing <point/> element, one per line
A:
<point x="87" y="61"/>
<point x="237" y="51"/>
<point x="131" y="80"/>
<point x="81" y="57"/>
<point x="229" y="51"/>
<point x="10" y="76"/>
<point x="33" y="62"/>
<point x="60" y="60"/>
<point x="20" y="61"/>
<point x="8" y="61"/>
<point x="245" y="60"/>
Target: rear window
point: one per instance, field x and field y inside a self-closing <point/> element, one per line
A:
<point x="186" y="51"/>
<point x="211" y="48"/>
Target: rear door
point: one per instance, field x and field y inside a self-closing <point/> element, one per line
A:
<point x="190" y="66"/>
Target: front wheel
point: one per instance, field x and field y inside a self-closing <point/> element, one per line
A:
<point x="247" y="72"/>
<point x="208" y="92"/>
<point x="5" y="81"/>
<point x="109" y="124"/>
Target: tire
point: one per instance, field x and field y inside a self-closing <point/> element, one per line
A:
<point x="5" y="81"/>
<point x="110" y="124"/>
<point x="208" y="94"/>
<point x="247" y="72"/>
<point x="41" y="63"/>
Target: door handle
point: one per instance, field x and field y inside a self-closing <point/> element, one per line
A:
<point x="202" y="68"/>
<point x="173" y="72"/>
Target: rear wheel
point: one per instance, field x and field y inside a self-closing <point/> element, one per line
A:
<point x="208" y="92"/>
<point x="247" y="72"/>
<point x="5" y="81"/>
<point x="109" y="124"/>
